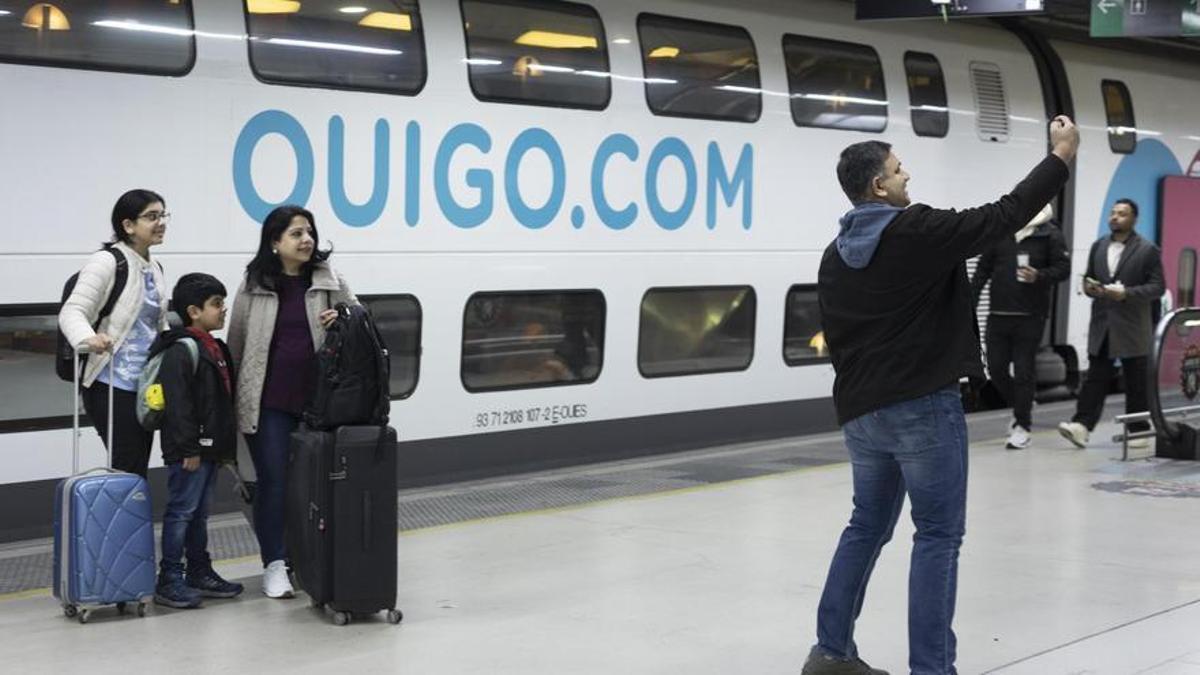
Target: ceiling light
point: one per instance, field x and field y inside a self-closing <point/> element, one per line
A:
<point x="387" y="20"/>
<point x="621" y="41"/>
<point x="273" y="6"/>
<point x="545" y="38"/>
<point x="664" y="53"/>
<point x="353" y="10"/>
<point x="4" y="12"/>
<point x="45" y="16"/>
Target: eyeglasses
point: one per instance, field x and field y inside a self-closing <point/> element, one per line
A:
<point x="156" y="217"/>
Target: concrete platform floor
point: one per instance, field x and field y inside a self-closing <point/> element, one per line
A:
<point x="1073" y="563"/>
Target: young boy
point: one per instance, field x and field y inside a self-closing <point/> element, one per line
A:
<point x="199" y="432"/>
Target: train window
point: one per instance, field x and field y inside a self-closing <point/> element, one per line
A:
<point x="139" y="36"/>
<point x="803" y="339"/>
<point x="28" y="386"/>
<point x="926" y="95"/>
<point x="376" y="45"/>
<point x="688" y="331"/>
<point x="991" y="102"/>
<point x="1118" y="108"/>
<point x="517" y="340"/>
<point x="540" y="52"/>
<point x="835" y="85"/>
<point x="699" y="69"/>
<point x="398" y="318"/>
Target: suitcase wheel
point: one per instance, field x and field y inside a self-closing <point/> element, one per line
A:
<point x="121" y="608"/>
<point x="84" y="615"/>
<point x="341" y="618"/>
<point x="312" y="602"/>
<point x="141" y="609"/>
<point x="395" y="616"/>
<point x="70" y="611"/>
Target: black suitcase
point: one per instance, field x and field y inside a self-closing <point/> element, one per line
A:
<point x="341" y="511"/>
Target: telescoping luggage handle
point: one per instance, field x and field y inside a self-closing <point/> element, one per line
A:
<point x="76" y="390"/>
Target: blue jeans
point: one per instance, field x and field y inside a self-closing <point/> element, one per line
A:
<point x="269" y="450"/>
<point x="918" y="447"/>
<point x="185" y="522"/>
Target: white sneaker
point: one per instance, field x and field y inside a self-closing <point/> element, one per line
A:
<point x="1018" y="438"/>
<point x="275" y="581"/>
<point x="1074" y="432"/>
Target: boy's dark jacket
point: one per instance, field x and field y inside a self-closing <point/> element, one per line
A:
<point x="199" y="417"/>
<point x="895" y="299"/>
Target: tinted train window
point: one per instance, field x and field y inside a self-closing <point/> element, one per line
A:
<point x="1118" y="109"/>
<point x="803" y="339"/>
<point x="514" y="340"/>
<point x="142" y="36"/>
<point x="699" y="69"/>
<point x="686" y="331"/>
<point x="28" y="386"/>
<point x="377" y="47"/>
<point x="541" y="52"/>
<point x="835" y="85"/>
<point x="398" y="318"/>
<point x="926" y="95"/>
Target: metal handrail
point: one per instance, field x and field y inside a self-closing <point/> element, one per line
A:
<point x="1166" y="427"/>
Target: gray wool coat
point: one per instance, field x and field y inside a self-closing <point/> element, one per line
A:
<point x="1127" y="324"/>
<point x="252" y="325"/>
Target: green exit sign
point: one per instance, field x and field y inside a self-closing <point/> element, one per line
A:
<point x="1144" y="18"/>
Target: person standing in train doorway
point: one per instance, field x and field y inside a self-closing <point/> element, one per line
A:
<point x="896" y="310"/>
<point x="1124" y="278"/>
<point x="1022" y="271"/>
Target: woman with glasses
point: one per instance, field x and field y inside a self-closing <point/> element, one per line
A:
<point x="278" y="322"/>
<point x="139" y="313"/>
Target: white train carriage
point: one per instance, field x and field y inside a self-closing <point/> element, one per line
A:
<point x="587" y="229"/>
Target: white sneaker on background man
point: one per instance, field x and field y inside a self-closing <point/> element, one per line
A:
<point x="1074" y="432"/>
<point x="1018" y="437"/>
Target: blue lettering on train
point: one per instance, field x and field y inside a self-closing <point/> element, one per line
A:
<point x="618" y="152"/>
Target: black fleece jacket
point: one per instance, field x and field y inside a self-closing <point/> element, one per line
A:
<point x="903" y="326"/>
<point x="199" y="416"/>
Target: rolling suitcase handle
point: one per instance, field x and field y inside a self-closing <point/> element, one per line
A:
<point x="76" y="391"/>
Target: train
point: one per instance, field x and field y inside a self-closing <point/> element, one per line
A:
<point x="586" y="230"/>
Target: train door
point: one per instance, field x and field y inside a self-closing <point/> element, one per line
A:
<point x="1179" y="233"/>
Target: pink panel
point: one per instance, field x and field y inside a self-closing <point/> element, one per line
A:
<point x="1179" y="224"/>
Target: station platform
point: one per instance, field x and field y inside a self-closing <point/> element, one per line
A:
<point x="709" y="561"/>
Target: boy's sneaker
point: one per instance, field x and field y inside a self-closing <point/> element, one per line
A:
<point x="210" y="584"/>
<point x="1074" y="432"/>
<point x="275" y="581"/>
<point x="821" y="663"/>
<point x="171" y="591"/>
<point x="1018" y="437"/>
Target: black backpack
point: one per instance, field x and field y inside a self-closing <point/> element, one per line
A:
<point x="353" y="372"/>
<point x="65" y="353"/>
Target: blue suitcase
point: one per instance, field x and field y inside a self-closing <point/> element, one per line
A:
<point x="103" y="535"/>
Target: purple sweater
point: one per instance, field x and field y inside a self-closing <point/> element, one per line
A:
<point x="291" y="366"/>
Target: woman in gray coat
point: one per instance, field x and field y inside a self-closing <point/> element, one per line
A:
<point x="279" y="318"/>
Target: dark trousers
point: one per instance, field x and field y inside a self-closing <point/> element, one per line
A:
<point x="1014" y="339"/>
<point x="1100" y="373"/>
<point x="185" y="522"/>
<point x="131" y="443"/>
<point x="269" y="449"/>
